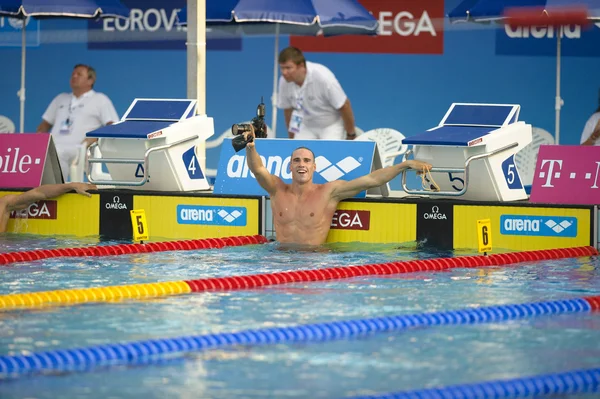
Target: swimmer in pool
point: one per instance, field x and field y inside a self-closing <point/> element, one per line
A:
<point x="302" y="210"/>
<point x="17" y="202"/>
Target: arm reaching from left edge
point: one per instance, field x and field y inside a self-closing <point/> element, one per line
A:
<point x="13" y="202"/>
<point x="22" y="201"/>
<point x="347" y="189"/>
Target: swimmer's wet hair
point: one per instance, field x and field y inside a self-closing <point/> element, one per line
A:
<point x="304" y="148"/>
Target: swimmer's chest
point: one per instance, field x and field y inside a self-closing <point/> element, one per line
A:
<point x="290" y="208"/>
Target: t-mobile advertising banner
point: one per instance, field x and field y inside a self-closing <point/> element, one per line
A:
<point x="22" y="159"/>
<point x="567" y="175"/>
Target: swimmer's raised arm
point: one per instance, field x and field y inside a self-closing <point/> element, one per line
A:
<point x="266" y="180"/>
<point x="347" y="189"/>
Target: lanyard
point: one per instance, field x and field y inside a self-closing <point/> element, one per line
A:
<point x="70" y="115"/>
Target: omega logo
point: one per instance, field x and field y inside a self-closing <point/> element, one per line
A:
<point x="435" y="214"/>
<point x="116" y="203"/>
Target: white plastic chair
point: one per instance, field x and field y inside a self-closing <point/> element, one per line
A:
<point x="6" y="125"/>
<point x="527" y="157"/>
<point x="389" y="143"/>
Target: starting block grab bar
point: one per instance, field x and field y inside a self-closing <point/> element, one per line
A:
<point x="144" y="162"/>
<point x="464" y="170"/>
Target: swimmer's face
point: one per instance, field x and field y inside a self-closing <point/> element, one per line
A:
<point x="292" y="72"/>
<point x="302" y="165"/>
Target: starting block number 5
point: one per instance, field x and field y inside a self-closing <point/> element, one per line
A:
<point x="509" y="168"/>
<point x="140" y="227"/>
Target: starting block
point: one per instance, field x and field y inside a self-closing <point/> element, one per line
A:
<point x="472" y="151"/>
<point x="155" y="146"/>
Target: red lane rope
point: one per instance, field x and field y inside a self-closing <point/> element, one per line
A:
<point x="594" y="301"/>
<point x="120" y="249"/>
<point x="334" y="273"/>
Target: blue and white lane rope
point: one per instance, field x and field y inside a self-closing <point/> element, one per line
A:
<point x="79" y="359"/>
<point x="569" y="382"/>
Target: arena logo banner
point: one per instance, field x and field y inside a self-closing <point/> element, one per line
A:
<point x="212" y="215"/>
<point x="335" y="160"/>
<point x="152" y="25"/>
<point x="405" y="27"/>
<point x="541" y="41"/>
<point x="545" y="226"/>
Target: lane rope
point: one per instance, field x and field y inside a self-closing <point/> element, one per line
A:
<point x="568" y="382"/>
<point x="83" y="359"/>
<point x="151" y="290"/>
<point x="9" y="258"/>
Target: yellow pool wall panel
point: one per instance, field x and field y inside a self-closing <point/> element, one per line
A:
<point x="388" y="223"/>
<point x="466" y="216"/>
<point x="70" y="214"/>
<point x="161" y="216"/>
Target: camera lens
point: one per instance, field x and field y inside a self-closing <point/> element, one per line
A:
<point x="239" y="128"/>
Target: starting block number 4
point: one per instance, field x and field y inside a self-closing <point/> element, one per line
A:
<point x="484" y="235"/>
<point x="140" y="227"/>
<point x="192" y="165"/>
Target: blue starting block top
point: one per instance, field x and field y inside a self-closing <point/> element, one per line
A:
<point x="459" y="136"/>
<point x="147" y="115"/>
<point x="464" y="123"/>
<point x="128" y="130"/>
<point x="156" y="110"/>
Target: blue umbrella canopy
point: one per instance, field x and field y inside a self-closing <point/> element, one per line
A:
<point x="23" y="9"/>
<point x="62" y="8"/>
<point x="303" y="17"/>
<point x="297" y="17"/>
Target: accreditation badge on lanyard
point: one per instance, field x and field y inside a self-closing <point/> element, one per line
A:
<point x="65" y="126"/>
<point x="297" y="116"/>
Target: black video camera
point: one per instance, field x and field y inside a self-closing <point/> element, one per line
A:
<point x="260" y="128"/>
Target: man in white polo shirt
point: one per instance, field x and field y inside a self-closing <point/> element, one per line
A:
<point x="313" y="101"/>
<point x="71" y="115"/>
<point x="591" y="131"/>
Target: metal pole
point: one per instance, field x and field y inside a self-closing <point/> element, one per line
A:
<point x="558" y="101"/>
<point x="275" y="80"/>
<point x="21" y="92"/>
<point x="196" y="63"/>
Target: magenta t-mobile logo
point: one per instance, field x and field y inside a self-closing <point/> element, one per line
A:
<point x="22" y="158"/>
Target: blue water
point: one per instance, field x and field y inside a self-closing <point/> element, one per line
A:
<point x="413" y="359"/>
